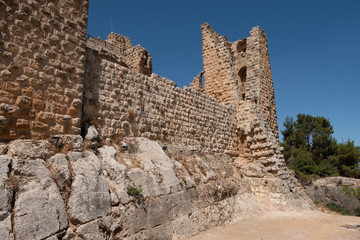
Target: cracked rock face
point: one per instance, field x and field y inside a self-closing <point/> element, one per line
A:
<point x="39" y="209"/>
<point x="89" y="198"/>
<point x="85" y="194"/>
<point x="5" y="199"/>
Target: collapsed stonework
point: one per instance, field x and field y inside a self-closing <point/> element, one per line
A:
<point x="96" y="146"/>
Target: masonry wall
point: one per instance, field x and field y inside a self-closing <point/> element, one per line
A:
<point x="42" y="56"/>
<point x="122" y="102"/>
<point x="220" y="79"/>
<point x="259" y="78"/>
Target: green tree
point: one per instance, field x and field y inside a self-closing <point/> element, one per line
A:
<point x="348" y="158"/>
<point x="310" y="149"/>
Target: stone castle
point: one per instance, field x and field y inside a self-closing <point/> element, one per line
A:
<point x="83" y="119"/>
<point x="54" y="80"/>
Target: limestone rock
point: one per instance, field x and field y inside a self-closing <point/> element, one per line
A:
<point x="26" y="149"/>
<point x="92" y="133"/>
<point x="69" y="235"/>
<point x="334" y="189"/>
<point x="254" y="170"/>
<point x="6" y="192"/>
<point x="145" y="181"/>
<point x="89" y="198"/>
<point x="115" y="174"/>
<point x="67" y="142"/>
<point x="92" y="231"/>
<point x="52" y="238"/>
<point x="5" y="187"/>
<point x="154" y="160"/>
<point x="39" y="209"/>
<point x="61" y="174"/>
<point x="5" y="229"/>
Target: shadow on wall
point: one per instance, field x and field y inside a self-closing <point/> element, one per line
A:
<point x="91" y="102"/>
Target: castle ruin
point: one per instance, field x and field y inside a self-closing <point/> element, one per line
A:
<point x="56" y="81"/>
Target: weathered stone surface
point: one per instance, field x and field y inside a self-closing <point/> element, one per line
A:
<point x="39" y="209"/>
<point x="274" y="193"/>
<point x="95" y="230"/>
<point x="115" y="174"/>
<point x="67" y="142"/>
<point x="6" y="229"/>
<point x="147" y="182"/>
<point x="89" y="198"/>
<point x="6" y="196"/>
<point x="181" y="194"/>
<point x="334" y="190"/>
<point x="60" y="170"/>
<point x="155" y="162"/>
<point x="42" y="76"/>
<point x="92" y="133"/>
<point x="69" y="234"/>
<point x="52" y="238"/>
<point x="5" y="187"/>
<point x="27" y="149"/>
<point x="254" y="170"/>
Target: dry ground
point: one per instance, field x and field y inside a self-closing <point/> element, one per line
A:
<point x="289" y="225"/>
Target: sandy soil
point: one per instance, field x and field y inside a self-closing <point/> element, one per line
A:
<point x="278" y="225"/>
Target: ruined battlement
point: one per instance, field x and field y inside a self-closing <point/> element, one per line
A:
<point x="119" y="49"/>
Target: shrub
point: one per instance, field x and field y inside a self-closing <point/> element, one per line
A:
<point x="132" y="191"/>
<point x="351" y="192"/>
<point x="342" y="210"/>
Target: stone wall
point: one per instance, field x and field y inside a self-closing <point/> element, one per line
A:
<point x="220" y="79"/>
<point x="139" y="60"/>
<point x="118" y="48"/>
<point x="119" y="41"/>
<point x="42" y="56"/>
<point x="259" y="78"/>
<point x="122" y="102"/>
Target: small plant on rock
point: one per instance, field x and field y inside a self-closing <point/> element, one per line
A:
<point x="132" y="191"/>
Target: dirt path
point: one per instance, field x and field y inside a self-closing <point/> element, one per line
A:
<point x="277" y="225"/>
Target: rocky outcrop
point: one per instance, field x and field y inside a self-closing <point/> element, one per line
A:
<point x="89" y="197"/>
<point x="39" y="209"/>
<point x="6" y="198"/>
<point x="134" y="189"/>
<point x="339" y="190"/>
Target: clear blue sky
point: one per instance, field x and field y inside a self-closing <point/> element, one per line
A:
<point x="314" y="47"/>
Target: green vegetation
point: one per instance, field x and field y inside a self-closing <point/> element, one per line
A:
<point x="311" y="151"/>
<point x="342" y="210"/>
<point x="133" y="148"/>
<point x="352" y="192"/>
<point x="132" y="191"/>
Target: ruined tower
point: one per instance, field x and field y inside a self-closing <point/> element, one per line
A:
<point x="236" y="72"/>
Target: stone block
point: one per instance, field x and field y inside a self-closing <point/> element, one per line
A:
<point x="39" y="104"/>
<point x="22" y="124"/>
<point x="24" y="101"/>
<point x="39" y="126"/>
<point x="12" y="87"/>
<point x="45" y="116"/>
<point x="6" y="97"/>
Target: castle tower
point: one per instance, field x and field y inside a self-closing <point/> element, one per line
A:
<point x="239" y="71"/>
<point x="220" y="80"/>
<point x="259" y="81"/>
